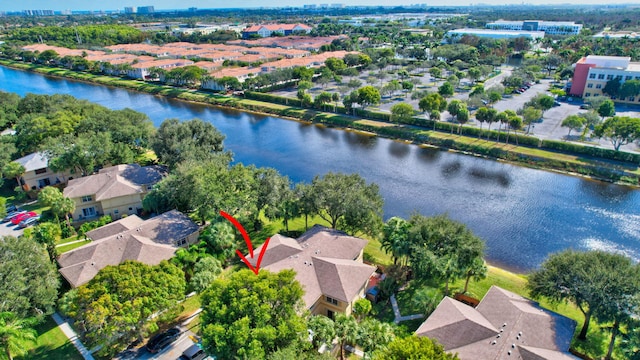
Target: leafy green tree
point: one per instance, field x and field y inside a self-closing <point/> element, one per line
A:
<point x="26" y="290"/>
<point x="494" y="97"/>
<point x="323" y="330"/>
<point x="322" y="99"/>
<point x="462" y="117"/>
<point x="435" y="72"/>
<point x="219" y="240"/>
<point x="348" y="203"/>
<point x="606" y="108"/>
<point x="15" y="334"/>
<point x="432" y="102"/>
<point x="620" y="130"/>
<point x="612" y="87"/>
<point x="630" y="88"/>
<point x="474" y="73"/>
<point x="334" y="64"/>
<point x="476" y="270"/>
<point x="577" y="277"/>
<point x="401" y="112"/>
<point x="113" y="308"/>
<point x="573" y="122"/>
<point x="544" y="102"/>
<point x="442" y="248"/>
<point x="14" y="170"/>
<point x="47" y="234"/>
<point x="303" y="73"/>
<point x="446" y="89"/>
<point x="346" y="331"/>
<point x="368" y="95"/>
<point x="362" y="308"/>
<point x="251" y="316"/>
<point x="176" y="141"/>
<point x="414" y="348"/>
<point x="530" y="114"/>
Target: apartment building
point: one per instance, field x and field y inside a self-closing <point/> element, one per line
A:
<point x="548" y="27"/>
<point x="267" y="30"/>
<point x="592" y="73"/>
<point x="453" y="35"/>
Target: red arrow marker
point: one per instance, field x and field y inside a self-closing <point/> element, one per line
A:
<point x="247" y="240"/>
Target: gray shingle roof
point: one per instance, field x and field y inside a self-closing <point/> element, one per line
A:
<point x="525" y="329"/>
<point x="149" y="242"/>
<point x="323" y="260"/>
<point x="115" y="181"/>
<point x="33" y="161"/>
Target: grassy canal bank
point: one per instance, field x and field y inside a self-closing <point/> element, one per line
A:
<point x="601" y="164"/>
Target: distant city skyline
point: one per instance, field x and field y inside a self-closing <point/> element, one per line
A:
<point x="58" y="5"/>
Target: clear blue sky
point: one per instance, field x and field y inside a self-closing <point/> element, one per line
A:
<point x="8" y="5"/>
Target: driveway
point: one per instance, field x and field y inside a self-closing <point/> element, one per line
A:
<point x="172" y="352"/>
<point x="8" y="229"/>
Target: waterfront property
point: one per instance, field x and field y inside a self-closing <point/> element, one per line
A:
<point x="548" y="27"/>
<point x="328" y="264"/>
<point x="147" y="241"/>
<point x="453" y="35"/>
<point x="592" y="73"/>
<point x="503" y="326"/>
<point x="37" y="173"/>
<point x="115" y="191"/>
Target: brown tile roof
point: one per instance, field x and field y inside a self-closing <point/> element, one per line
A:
<point x="323" y="260"/>
<point x="150" y="242"/>
<point x="524" y="329"/>
<point x="115" y="181"/>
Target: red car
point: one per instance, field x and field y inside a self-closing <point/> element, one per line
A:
<point x="18" y="218"/>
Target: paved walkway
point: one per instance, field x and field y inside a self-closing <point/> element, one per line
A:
<point x="73" y="337"/>
<point x="396" y="312"/>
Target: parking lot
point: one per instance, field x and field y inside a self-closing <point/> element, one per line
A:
<point x="8" y="229"/>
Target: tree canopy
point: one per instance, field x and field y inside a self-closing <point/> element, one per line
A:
<point x="414" y="348"/>
<point x="251" y="316"/>
<point x="30" y="281"/>
<point x="620" y="130"/>
<point x="114" y="308"/>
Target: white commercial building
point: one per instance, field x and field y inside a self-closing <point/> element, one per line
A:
<point x="549" y="27"/>
<point x="454" y="35"/>
<point x="592" y="73"/>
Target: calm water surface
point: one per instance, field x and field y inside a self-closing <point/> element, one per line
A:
<point x="523" y="214"/>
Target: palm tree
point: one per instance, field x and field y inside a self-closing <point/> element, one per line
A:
<point x="15" y="334"/>
<point x="395" y="240"/>
<point x="373" y="335"/>
<point x="15" y="170"/>
<point x="346" y="331"/>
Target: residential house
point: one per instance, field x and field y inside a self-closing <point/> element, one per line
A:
<point x="141" y="70"/>
<point x="503" y="326"/>
<point x="115" y="191"/>
<point x="37" y="173"/>
<point x="328" y="264"/>
<point x="268" y="30"/>
<point x="131" y="238"/>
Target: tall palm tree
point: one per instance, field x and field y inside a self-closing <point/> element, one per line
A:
<point x="15" y="334"/>
<point x="346" y="331"/>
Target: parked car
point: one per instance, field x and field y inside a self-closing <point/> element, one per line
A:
<point x="18" y="218"/>
<point x="10" y="208"/>
<point x="12" y="214"/>
<point x="194" y="352"/>
<point x="556" y="103"/>
<point x="585" y="106"/>
<point x="162" y="340"/>
<point x="28" y="222"/>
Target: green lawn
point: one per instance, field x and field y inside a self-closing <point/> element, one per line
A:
<point x="65" y="248"/>
<point x="51" y="344"/>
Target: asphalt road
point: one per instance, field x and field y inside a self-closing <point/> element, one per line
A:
<point x="8" y="229"/>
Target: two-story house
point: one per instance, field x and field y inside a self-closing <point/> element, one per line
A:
<point x="37" y="174"/>
<point x="328" y="265"/>
<point x="131" y="238"/>
<point x="114" y="191"/>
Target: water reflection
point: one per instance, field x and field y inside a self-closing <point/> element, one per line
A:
<point x="608" y="192"/>
<point x="498" y="177"/>
<point x="429" y="154"/>
<point x="355" y="140"/>
<point x="326" y="132"/>
<point x="398" y="149"/>
<point x="451" y="169"/>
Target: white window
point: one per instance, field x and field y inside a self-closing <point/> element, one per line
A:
<point x="592" y="76"/>
<point x="589" y="86"/>
<point x="87" y="198"/>
<point x="181" y="242"/>
<point x="331" y="300"/>
<point x="116" y="212"/>
<point x="600" y="76"/>
<point x="87" y="212"/>
<point x="609" y="77"/>
<point x="587" y="94"/>
<point x="599" y="86"/>
<point x="628" y="77"/>
<point x="596" y="95"/>
<point x="632" y="98"/>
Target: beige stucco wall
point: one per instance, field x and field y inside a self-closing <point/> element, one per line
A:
<point x="30" y="178"/>
<point x="122" y="205"/>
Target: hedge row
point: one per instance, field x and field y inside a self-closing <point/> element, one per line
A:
<point x="570" y="148"/>
<point x="282" y="100"/>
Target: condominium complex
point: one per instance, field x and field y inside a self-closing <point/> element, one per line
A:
<point x="548" y="27"/>
<point x="592" y="73"/>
